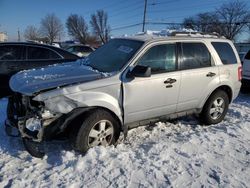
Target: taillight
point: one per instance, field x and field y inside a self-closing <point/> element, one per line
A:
<point x="239" y="73"/>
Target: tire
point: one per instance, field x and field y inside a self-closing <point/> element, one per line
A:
<point x="99" y="128"/>
<point x="215" y="108"/>
<point x="12" y="111"/>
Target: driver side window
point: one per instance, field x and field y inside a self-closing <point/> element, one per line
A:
<point x="161" y="58"/>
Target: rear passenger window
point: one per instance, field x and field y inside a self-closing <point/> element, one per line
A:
<point x="11" y="52"/>
<point x="37" y="53"/>
<point x="225" y="52"/>
<point x="195" y="55"/>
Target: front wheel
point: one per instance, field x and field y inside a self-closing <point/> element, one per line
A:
<point x="215" y="108"/>
<point x="99" y="128"/>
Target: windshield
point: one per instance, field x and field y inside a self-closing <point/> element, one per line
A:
<point x="112" y="56"/>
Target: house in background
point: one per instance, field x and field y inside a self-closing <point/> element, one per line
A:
<point x="3" y="37"/>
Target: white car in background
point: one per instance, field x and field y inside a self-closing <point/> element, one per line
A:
<point x="80" y="50"/>
<point x="246" y="72"/>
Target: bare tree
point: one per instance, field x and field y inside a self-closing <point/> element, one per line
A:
<point x="77" y="28"/>
<point x="99" y="23"/>
<point x="31" y="33"/>
<point x="207" y="22"/>
<point x="51" y="27"/>
<point x="228" y="20"/>
<point x="234" y="16"/>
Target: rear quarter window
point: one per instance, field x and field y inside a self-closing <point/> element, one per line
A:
<point x="225" y="52"/>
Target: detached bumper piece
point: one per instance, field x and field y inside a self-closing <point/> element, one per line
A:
<point x="31" y="130"/>
<point x="30" y="120"/>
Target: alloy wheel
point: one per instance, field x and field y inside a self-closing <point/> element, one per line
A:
<point x="101" y="134"/>
<point x="217" y="108"/>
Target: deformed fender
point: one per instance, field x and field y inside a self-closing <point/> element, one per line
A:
<point x="66" y="103"/>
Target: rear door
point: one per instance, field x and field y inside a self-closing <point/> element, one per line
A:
<point x="198" y="74"/>
<point x="40" y="57"/>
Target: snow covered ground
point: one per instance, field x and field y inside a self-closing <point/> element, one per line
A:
<point x="177" y="154"/>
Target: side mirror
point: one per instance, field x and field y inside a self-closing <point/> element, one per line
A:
<point x="140" y="71"/>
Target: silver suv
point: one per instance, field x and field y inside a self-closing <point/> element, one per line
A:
<point x="126" y="83"/>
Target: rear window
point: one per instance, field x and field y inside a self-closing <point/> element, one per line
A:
<point x="225" y="52"/>
<point x="247" y="55"/>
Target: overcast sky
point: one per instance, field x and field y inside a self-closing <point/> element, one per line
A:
<point x="16" y="14"/>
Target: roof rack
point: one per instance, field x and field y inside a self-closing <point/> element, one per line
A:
<point x="196" y="34"/>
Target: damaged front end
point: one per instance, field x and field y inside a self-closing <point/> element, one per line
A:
<point x="34" y="123"/>
<point x="32" y="120"/>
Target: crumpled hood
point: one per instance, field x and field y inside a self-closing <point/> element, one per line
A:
<point x="32" y="81"/>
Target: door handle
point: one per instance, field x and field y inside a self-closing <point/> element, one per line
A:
<point x="169" y="81"/>
<point x="210" y="74"/>
<point x="169" y="86"/>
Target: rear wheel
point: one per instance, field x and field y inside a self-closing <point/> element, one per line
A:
<point x="100" y="128"/>
<point x="215" y="108"/>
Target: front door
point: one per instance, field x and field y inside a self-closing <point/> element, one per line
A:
<point x="157" y="95"/>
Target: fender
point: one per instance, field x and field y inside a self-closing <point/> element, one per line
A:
<point x="205" y="98"/>
<point x="66" y="103"/>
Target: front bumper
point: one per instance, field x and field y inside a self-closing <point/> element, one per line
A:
<point x="30" y="117"/>
<point x="34" y="126"/>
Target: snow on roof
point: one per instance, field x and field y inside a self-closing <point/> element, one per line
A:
<point x="164" y="32"/>
<point x="153" y="34"/>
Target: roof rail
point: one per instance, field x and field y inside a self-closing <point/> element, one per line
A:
<point x="196" y="34"/>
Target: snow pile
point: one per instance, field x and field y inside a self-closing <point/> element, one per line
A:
<point x="164" y="32"/>
<point x="180" y="153"/>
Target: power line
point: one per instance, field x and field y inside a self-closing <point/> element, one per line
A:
<point x="208" y="23"/>
<point x="126" y="11"/>
<point x="126" y="26"/>
<point x="128" y="17"/>
<point x="185" y="8"/>
<point x="165" y="2"/>
<point x="171" y="23"/>
<point x="121" y="9"/>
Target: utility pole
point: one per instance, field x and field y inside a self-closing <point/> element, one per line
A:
<point x="18" y="35"/>
<point x="144" y="15"/>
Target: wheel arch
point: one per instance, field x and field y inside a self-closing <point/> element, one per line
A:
<point x="225" y="88"/>
<point x="76" y="117"/>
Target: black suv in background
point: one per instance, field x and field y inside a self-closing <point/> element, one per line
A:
<point x="17" y="56"/>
